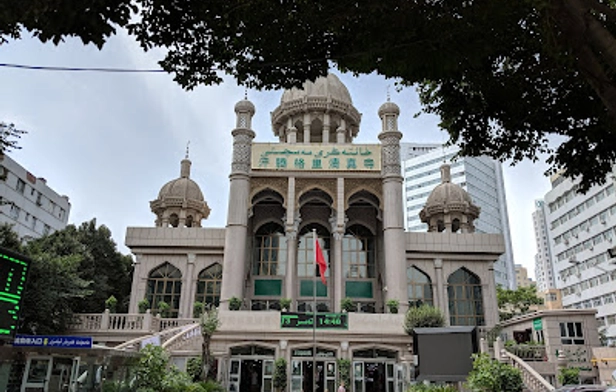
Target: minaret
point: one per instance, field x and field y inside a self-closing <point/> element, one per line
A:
<point x="393" y="213"/>
<point x="234" y="264"/>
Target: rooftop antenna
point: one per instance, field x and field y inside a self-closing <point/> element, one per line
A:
<point x="388" y="94"/>
<point x="187" y="146"/>
<point x="245" y="93"/>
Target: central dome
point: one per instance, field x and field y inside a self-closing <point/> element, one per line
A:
<point x="329" y="86"/>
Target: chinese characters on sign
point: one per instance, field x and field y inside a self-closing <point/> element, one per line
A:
<point x="305" y="320"/>
<point x="322" y="157"/>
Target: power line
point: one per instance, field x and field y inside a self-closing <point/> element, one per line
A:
<point x="79" y="69"/>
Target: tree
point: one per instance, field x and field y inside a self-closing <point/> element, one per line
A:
<point x="279" y="380"/>
<point x="569" y="376"/>
<point x="504" y="76"/>
<point x="424" y="316"/>
<point x="209" y="323"/>
<point x="516" y="302"/>
<point x="489" y="375"/>
<point x="8" y="132"/>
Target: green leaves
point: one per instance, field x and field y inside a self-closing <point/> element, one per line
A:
<point x="424" y="316"/>
<point x="490" y="375"/>
<point x="516" y="302"/>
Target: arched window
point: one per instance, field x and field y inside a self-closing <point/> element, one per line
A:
<point x="465" y="299"/>
<point x="165" y="285"/>
<point x="419" y="287"/>
<point x="270" y="251"/>
<point x="174" y="221"/>
<point x="306" y="264"/>
<point x="358" y="254"/>
<point x="455" y="225"/>
<point x="208" y="285"/>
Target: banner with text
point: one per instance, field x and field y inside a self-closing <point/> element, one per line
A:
<point x="53" y="341"/>
<point x="316" y="157"/>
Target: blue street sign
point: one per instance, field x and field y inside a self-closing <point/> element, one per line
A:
<point x="53" y="341"/>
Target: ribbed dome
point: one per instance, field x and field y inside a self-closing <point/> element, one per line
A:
<point x="181" y="187"/>
<point x="389" y="108"/>
<point x="245" y="106"/>
<point x="449" y="207"/>
<point x="329" y="86"/>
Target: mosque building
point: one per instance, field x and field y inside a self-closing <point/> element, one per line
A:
<point x="314" y="180"/>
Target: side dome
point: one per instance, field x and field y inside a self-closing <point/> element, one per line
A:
<point x="180" y="202"/>
<point x="389" y="108"/>
<point x="328" y="86"/>
<point x="449" y="207"/>
<point x="245" y="106"/>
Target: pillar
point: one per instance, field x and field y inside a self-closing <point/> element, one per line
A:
<point x="440" y="300"/>
<point x="307" y="128"/>
<point x="341" y="132"/>
<point x="393" y="215"/>
<point x="338" y="234"/>
<point x="135" y="295"/>
<point x="188" y="288"/>
<point x="236" y="233"/>
<point x="326" y="128"/>
<point x="291" y="226"/>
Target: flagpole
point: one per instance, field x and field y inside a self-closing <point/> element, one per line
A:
<point x="314" y="313"/>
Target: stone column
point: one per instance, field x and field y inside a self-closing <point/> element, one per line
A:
<point x="188" y="288"/>
<point x="135" y="295"/>
<point x="393" y="215"/>
<point x="326" y="127"/>
<point x="490" y="303"/>
<point x="341" y="132"/>
<point x="291" y="224"/>
<point x="306" y="127"/>
<point x="236" y="233"/>
<point x="338" y="234"/>
<point x="440" y="300"/>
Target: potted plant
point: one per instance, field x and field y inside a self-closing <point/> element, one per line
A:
<point x="344" y="371"/>
<point x="285" y="304"/>
<point x="111" y="303"/>
<point x="393" y="305"/>
<point x="198" y="308"/>
<point x="347" y="305"/>
<point x="143" y="305"/>
<point x="235" y="303"/>
<point x="164" y="309"/>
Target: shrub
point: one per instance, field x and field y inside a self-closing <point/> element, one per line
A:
<point x="424" y="316"/>
<point x="569" y="376"/>
<point x="143" y="305"/>
<point x="490" y="375"/>
<point x="344" y="371"/>
<point x="432" y="388"/>
<point x="111" y="303"/>
<point x="280" y="374"/>
<point x="198" y="309"/>
<point x="235" y="303"/>
<point x="164" y="309"/>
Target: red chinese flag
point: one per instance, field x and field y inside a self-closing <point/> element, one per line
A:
<point x="320" y="260"/>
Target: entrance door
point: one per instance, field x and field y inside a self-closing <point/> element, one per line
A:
<point x="330" y="376"/>
<point x="358" y="376"/>
<point x="36" y="375"/>
<point x="235" y="371"/>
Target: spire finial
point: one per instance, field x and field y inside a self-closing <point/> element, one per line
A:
<point x="187" y="146"/>
<point x="388" y="94"/>
<point x="246" y="93"/>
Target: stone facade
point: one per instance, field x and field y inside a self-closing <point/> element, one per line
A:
<point x="315" y="182"/>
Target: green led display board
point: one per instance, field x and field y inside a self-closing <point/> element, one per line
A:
<point x="13" y="273"/>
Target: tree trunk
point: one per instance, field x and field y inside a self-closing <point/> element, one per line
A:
<point x="205" y="358"/>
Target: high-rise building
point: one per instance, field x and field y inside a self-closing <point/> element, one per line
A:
<point x="28" y="203"/>
<point x="521" y="276"/>
<point x="481" y="177"/>
<point x="544" y="269"/>
<point x="581" y="231"/>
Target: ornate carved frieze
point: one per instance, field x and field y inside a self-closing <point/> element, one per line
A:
<point x="242" y="139"/>
<point x="327" y="185"/>
<point x="277" y="184"/>
<point x="354" y="185"/>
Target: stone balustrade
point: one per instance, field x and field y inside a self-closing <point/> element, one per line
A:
<point x="532" y="380"/>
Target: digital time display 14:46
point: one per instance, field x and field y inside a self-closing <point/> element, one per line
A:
<point x="13" y="274"/>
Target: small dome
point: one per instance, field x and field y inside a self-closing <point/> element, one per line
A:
<point x="181" y="187"/>
<point x="329" y="86"/>
<point x="389" y="108"/>
<point x="244" y="106"/>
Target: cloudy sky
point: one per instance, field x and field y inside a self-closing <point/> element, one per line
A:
<point x="110" y="141"/>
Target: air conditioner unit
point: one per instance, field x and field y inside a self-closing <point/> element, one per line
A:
<point x="566" y="242"/>
<point x="603" y="221"/>
<point x="575" y="235"/>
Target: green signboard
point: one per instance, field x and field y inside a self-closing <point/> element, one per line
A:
<point x="537" y="325"/>
<point x="13" y="273"/>
<point x="306" y="320"/>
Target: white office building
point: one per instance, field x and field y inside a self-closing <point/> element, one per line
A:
<point x="481" y="177"/>
<point x="26" y="202"/>
<point x="581" y="231"/>
<point x="544" y="269"/>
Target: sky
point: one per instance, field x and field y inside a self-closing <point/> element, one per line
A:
<point x="110" y="141"/>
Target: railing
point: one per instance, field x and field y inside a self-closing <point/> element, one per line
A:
<point x="529" y="353"/>
<point x="532" y="380"/>
<point x="122" y="322"/>
<point x="186" y="334"/>
<point x="160" y="338"/>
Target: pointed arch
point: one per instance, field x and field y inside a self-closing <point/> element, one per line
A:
<point x="358" y="253"/>
<point x="465" y="298"/>
<point x="165" y="285"/>
<point x="419" y="287"/>
<point x="270" y="250"/>
<point x="209" y="282"/>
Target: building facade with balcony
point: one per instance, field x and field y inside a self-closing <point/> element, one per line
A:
<point x="261" y="272"/>
<point x="544" y="268"/>
<point x="581" y="230"/>
<point x="28" y="203"/>
<point x="481" y="177"/>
